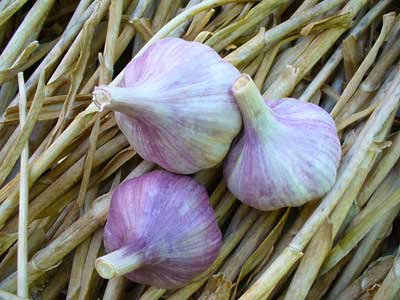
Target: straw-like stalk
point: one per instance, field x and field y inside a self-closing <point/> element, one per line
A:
<point x="23" y="200"/>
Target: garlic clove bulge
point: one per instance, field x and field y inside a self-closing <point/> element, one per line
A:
<point x="160" y="231"/>
<point x="175" y="105"/>
<point x="288" y="154"/>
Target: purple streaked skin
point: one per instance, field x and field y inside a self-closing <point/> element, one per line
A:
<point x="288" y="155"/>
<point x="176" y="106"/>
<point x="167" y="219"/>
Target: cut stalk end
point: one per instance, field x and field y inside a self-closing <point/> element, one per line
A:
<point x="118" y="263"/>
<point x="101" y="98"/>
<point x="255" y="112"/>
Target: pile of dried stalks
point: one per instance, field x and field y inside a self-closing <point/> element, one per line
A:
<point x="342" y="55"/>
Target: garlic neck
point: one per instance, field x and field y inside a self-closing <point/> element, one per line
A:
<point x="119" y="262"/>
<point x="255" y="112"/>
<point x="116" y="99"/>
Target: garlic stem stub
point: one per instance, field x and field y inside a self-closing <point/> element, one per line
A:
<point x="175" y="105"/>
<point x="288" y="153"/>
<point x="160" y="231"/>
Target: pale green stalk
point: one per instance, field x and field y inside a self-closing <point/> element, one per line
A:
<point x="23" y="199"/>
<point x="391" y="285"/>
<point x="312" y="260"/>
<point x="250" y="49"/>
<point x="364" y="253"/>
<point x="58" y="282"/>
<point x="114" y="22"/>
<point x="44" y="161"/>
<point x="224" y="206"/>
<point x="388" y="159"/>
<point x="249" y="243"/>
<point x="351" y="87"/>
<point x="254" y="17"/>
<point x="16" y="148"/>
<point x="370" y="277"/>
<point x="31" y="55"/>
<point x="340" y="212"/>
<point x="127" y="34"/>
<point x="152" y="293"/>
<point x="81" y="15"/>
<point x="179" y="19"/>
<point x="386" y="188"/>
<point x="70" y="58"/>
<point x="178" y="31"/>
<point x="315" y="48"/>
<point x="393" y="36"/>
<point x="372" y="83"/>
<point x="33" y="19"/>
<point x="8" y="296"/>
<point x="235" y="220"/>
<point x="115" y="288"/>
<point x="358" y="231"/>
<point x="71" y="177"/>
<point x="10" y="10"/>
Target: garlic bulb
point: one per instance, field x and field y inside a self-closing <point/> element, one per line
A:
<point x="289" y="152"/>
<point x="160" y="231"/>
<point x="175" y="105"/>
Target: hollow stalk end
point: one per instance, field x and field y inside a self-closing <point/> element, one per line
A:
<point x="118" y="263"/>
<point x="101" y="98"/>
<point x="251" y="103"/>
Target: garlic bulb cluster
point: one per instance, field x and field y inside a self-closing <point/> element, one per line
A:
<point x="288" y="154"/>
<point x="160" y="231"/>
<point x="175" y="105"/>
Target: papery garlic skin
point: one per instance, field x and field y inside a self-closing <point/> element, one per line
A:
<point x="288" y="155"/>
<point x="175" y="105"/>
<point x="164" y="228"/>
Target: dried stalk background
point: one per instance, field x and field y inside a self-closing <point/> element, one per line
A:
<point x="341" y="55"/>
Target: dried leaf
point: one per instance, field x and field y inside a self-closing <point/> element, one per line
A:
<point x="341" y="20"/>
<point x="87" y="169"/>
<point x="116" y="162"/>
<point x="217" y="288"/>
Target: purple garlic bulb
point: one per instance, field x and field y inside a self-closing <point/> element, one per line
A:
<point x="160" y="231"/>
<point x="288" y="154"/>
<point x="175" y="105"/>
